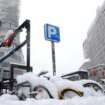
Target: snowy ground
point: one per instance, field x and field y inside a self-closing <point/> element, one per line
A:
<point x="90" y="97"/>
<point x="12" y="100"/>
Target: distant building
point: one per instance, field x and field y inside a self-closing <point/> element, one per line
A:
<point x="94" y="44"/>
<point x="97" y="72"/>
<point x="9" y="19"/>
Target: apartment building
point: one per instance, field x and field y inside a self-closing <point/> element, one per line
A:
<point x="94" y="44"/>
<point x="9" y="19"/>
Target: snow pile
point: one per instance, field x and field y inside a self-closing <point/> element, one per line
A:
<point x="56" y="84"/>
<point x="90" y="96"/>
<point x="9" y="100"/>
<point x="91" y="92"/>
<point x="65" y="84"/>
<point x="36" y="81"/>
<point x="88" y="81"/>
<point x="7" y="97"/>
<point x="62" y="84"/>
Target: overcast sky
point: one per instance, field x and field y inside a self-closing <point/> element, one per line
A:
<point x="74" y="18"/>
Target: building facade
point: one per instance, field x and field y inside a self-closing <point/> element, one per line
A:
<point x="94" y="44"/>
<point x="9" y="19"/>
<point x="97" y="72"/>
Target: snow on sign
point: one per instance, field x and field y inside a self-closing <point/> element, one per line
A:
<point x="52" y="33"/>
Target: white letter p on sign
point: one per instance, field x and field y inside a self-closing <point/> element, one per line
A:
<point x="51" y="31"/>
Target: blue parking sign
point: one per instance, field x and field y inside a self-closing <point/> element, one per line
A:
<point x="52" y="33"/>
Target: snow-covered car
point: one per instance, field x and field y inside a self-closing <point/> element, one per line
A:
<point x="91" y="86"/>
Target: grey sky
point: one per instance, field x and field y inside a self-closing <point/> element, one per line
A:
<point x="73" y="17"/>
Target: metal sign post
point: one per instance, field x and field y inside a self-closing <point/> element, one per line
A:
<point x="53" y="58"/>
<point x="52" y="34"/>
